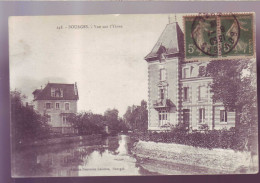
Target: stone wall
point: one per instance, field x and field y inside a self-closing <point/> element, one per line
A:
<point x="222" y="161"/>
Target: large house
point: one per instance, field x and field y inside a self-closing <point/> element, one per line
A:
<point x="179" y="91"/>
<point x="57" y="101"/>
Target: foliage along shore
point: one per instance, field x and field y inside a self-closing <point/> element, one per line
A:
<point x="63" y="140"/>
<point x="224" y="139"/>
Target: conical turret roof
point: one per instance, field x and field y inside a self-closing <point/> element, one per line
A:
<point x="170" y="42"/>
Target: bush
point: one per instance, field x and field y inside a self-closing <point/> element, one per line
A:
<point x="26" y="124"/>
<point x="225" y="139"/>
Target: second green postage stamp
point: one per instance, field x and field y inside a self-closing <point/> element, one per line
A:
<point x="219" y="36"/>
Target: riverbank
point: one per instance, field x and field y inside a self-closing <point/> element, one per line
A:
<point x="159" y="157"/>
<point x="63" y="140"/>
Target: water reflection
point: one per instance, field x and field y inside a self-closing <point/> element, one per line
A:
<point x="107" y="157"/>
<point x="113" y="161"/>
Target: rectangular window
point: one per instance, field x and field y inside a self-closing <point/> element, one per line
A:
<point x="202" y="115"/>
<point x="48" y="105"/>
<point x="67" y="106"/>
<point x="57" y="105"/>
<point x="186" y="93"/>
<point x="223" y="116"/>
<point x="162" y="74"/>
<point x="162" y="93"/>
<point x="49" y="118"/>
<point x="163" y="116"/>
<point x="185" y="73"/>
<point x="202" y="92"/>
<point x="64" y="119"/>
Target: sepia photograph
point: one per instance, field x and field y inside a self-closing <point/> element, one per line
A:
<point x="133" y="95"/>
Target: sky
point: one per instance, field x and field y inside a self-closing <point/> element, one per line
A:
<point x="107" y="63"/>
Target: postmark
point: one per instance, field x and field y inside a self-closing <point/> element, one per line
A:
<point x="219" y="36"/>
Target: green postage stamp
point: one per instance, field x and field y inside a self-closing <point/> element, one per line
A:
<point x="219" y="36"/>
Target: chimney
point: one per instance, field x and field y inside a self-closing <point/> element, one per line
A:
<point x="75" y="88"/>
<point x="172" y="18"/>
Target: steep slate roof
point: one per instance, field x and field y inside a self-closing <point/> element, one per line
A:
<point x="170" y="42"/>
<point x="36" y="92"/>
<point x="69" y="92"/>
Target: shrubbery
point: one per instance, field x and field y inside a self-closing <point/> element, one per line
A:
<point x="136" y="117"/>
<point x="26" y="124"/>
<point x="88" y="123"/>
<point x="225" y="139"/>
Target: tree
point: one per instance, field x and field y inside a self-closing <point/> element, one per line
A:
<point x="136" y="117"/>
<point x="226" y="79"/>
<point x="26" y="124"/>
<point x="111" y="115"/>
<point x="114" y="123"/>
<point x="87" y="123"/>
<point x="234" y="84"/>
<point x="129" y="118"/>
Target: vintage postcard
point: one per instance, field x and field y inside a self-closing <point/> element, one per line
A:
<point x="122" y="95"/>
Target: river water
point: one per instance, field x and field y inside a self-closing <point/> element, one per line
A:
<point x="108" y="157"/>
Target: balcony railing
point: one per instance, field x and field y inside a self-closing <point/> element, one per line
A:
<point x="162" y="103"/>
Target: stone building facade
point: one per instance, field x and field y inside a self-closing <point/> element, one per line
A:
<point x="57" y="101"/>
<point x="179" y="91"/>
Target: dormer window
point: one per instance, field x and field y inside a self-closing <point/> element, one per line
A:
<point x="202" y="71"/>
<point x="161" y="53"/>
<point x="56" y="92"/>
<point x="185" y="73"/>
<point x="162" y="57"/>
<point x="191" y="71"/>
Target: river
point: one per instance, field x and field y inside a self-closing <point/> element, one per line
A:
<point x="108" y="157"/>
